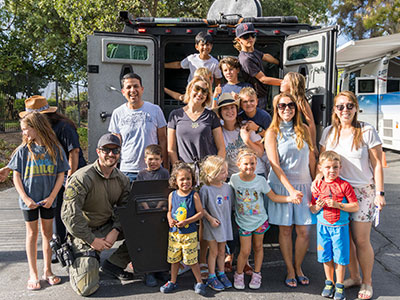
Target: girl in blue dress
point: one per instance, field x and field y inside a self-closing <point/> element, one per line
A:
<point x="290" y="152"/>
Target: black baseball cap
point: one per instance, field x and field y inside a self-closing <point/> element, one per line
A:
<point x="108" y="139"/>
<point x="244" y="28"/>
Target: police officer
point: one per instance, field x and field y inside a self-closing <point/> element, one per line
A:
<point x="88" y="212"/>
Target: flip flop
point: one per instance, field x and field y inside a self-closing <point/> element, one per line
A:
<point x="303" y="280"/>
<point x="365" y="290"/>
<point x="289" y="281"/>
<point x="33" y="285"/>
<point x="52" y="279"/>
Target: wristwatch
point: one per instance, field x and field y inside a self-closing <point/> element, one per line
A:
<point x="259" y="130"/>
<point x="380" y="193"/>
<point x="341" y="205"/>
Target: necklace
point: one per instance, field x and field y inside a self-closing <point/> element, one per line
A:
<point x="195" y="124"/>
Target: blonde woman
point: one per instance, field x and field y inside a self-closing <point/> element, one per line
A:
<point x="295" y="84"/>
<point x="290" y="152"/>
<point x="360" y="149"/>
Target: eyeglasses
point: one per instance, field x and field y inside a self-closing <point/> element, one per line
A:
<point x="198" y="88"/>
<point x="106" y="150"/>
<point x="282" y="106"/>
<point x="341" y="107"/>
<point x="247" y="35"/>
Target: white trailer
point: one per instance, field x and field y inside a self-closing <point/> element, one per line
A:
<point x="371" y="69"/>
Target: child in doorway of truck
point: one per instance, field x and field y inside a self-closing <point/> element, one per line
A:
<point x="184" y="209"/>
<point x="204" y="45"/>
<point x="251" y="61"/>
<point x="216" y="197"/>
<point x="230" y="68"/>
<point x="333" y="199"/>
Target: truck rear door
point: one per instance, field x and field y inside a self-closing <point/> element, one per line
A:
<point x="313" y="54"/>
<point x="110" y="57"/>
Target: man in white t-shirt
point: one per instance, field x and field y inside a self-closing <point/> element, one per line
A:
<point x="138" y="124"/>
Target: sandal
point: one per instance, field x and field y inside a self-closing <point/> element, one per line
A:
<point x="248" y="270"/>
<point x="204" y="271"/>
<point x="365" y="292"/>
<point x="350" y="282"/>
<point x="33" y="285"/>
<point x="303" y="280"/>
<point x="52" y="279"/>
<point x="228" y="264"/>
<point x="291" y="282"/>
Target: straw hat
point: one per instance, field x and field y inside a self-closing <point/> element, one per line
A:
<point x="224" y="100"/>
<point x="38" y="104"/>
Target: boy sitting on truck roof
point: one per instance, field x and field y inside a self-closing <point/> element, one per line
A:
<point x="204" y="45"/>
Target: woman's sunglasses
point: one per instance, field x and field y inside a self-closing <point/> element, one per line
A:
<point x="282" y="106"/>
<point x="341" y="107"/>
<point x="247" y="35"/>
<point x="198" y="88"/>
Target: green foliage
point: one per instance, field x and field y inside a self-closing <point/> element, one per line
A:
<point x="367" y="18"/>
<point x="19" y="105"/>
<point x="83" y="137"/>
<point x="72" y="112"/>
<point x="308" y="11"/>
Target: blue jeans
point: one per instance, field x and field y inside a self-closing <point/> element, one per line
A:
<point x="131" y="175"/>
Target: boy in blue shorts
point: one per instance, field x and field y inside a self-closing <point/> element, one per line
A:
<point x="333" y="199"/>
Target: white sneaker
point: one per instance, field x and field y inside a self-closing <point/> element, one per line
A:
<point x="255" y="282"/>
<point x="238" y="281"/>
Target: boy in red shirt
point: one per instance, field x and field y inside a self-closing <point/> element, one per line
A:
<point x="333" y="199"/>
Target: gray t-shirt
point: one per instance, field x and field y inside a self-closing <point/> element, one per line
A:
<point x="194" y="62"/>
<point x="160" y="174"/>
<point x="194" y="139"/>
<point x="218" y="203"/>
<point x="138" y="128"/>
<point x="38" y="172"/>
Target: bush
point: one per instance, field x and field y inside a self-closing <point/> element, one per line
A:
<point x="19" y="105"/>
<point x="83" y="137"/>
<point x="72" y="113"/>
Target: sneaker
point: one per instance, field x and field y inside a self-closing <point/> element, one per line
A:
<point x="328" y="290"/>
<point x="150" y="280"/>
<point x="339" y="292"/>
<point x="215" y="284"/>
<point x="225" y="281"/>
<point x="169" y="287"/>
<point x="115" y="271"/>
<point x="200" y="288"/>
<point x="238" y="281"/>
<point x="255" y="281"/>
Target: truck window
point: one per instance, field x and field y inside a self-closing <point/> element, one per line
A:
<point x="302" y="51"/>
<point x="124" y="51"/>
<point x="352" y="80"/>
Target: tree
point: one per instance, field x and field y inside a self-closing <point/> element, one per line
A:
<point x="367" y="18"/>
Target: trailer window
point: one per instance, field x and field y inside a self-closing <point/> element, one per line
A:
<point x="307" y="50"/>
<point x="124" y="51"/>
<point x="352" y="80"/>
<point x="366" y="86"/>
<point x="393" y="85"/>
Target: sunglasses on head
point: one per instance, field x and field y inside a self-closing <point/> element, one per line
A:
<point x="198" y="88"/>
<point x="106" y="150"/>
<point x="341" y="107"/>
<point x="247" y="35"/>
<point x="282" y="106"/>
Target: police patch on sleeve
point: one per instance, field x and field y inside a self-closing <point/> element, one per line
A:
<point x="72" y="191"/>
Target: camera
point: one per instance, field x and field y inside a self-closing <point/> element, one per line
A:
<point x="63" y="251"/>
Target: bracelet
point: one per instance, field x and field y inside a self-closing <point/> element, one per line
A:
<point x="215" y="98"/>
<point x="380" y="193"/>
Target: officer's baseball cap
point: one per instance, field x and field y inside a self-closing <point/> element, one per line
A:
<point x="108" y="139"/>
<point x="244" y="28"/>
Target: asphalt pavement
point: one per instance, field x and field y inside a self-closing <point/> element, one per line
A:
<point x="385" y="240"/>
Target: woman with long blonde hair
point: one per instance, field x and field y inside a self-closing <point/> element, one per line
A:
<point x="295" y="84"/>
<point x="290" y="152"/>
<point x="360" y="149"/>
<point x="39" y="164"/>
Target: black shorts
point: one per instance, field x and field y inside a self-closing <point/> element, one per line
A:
<point x="33" y="214"/>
